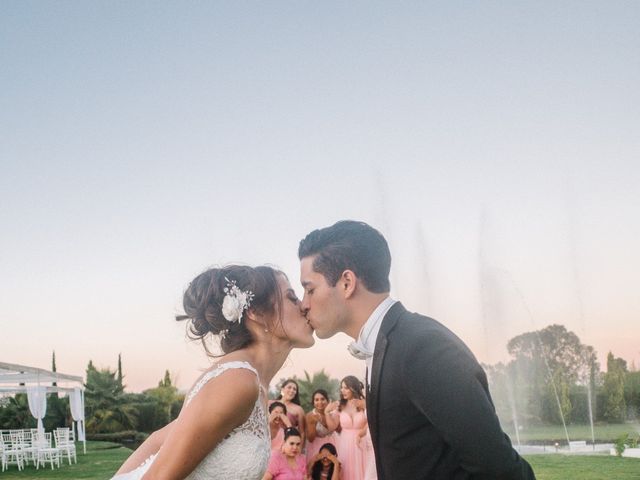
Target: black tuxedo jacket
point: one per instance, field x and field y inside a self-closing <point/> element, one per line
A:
<point x="429" y="409"/>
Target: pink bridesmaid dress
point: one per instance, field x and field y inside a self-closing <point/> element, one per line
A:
<point x="277" y="441"/>
<point x="351" y="448"/>
<point x="370" y="472"/>
<point x="322" y="436"/>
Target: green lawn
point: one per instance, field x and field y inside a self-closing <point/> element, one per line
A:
<point x="103" y="459"/>
<point x="604" y="433"/>
<point x="584" y="467"/>
<point x="101" y="462"/>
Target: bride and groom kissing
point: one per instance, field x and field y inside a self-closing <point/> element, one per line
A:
<point x="429" y="408"/>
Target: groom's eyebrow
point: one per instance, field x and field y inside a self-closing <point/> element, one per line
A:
<point x="305" y="283"/>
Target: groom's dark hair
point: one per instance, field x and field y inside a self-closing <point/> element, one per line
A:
<point x="349" y="245"/>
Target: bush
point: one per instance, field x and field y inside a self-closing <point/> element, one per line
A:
<point x="621" y="444"/>
<point x="151" y="416"/>
<point x="127" y="436"/>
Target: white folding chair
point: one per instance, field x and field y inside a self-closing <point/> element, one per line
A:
<point x="65" y="444"/>
<point x="46" y="453"/>
<point x="11" y="451"/>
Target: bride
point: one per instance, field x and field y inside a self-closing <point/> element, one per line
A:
<point x="222" y="430"/>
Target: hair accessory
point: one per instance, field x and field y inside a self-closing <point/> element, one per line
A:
<point x="235" y="301"/>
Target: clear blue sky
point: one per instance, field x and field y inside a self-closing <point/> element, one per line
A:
<point x="495" y="144"/>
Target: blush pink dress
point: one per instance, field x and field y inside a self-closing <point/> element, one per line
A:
<point x="277" y="441"/>
<point x="280" y="469"/>
<point x="323" y="435"/>
<point x="370" y="458"/>
<point x="351" y="448"/>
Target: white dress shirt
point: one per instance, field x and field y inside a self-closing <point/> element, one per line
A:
<point x="366" y="342"/>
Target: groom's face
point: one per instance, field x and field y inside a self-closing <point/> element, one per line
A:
<point x="323" y="305"/>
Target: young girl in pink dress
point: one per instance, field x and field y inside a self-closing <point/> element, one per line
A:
<point x="289" y="464"/>
<point x="349" y="414"/>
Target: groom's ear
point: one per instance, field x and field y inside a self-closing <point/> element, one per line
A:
<point x="347" y="283"/>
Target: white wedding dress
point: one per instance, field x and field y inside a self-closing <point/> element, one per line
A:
<point x="242" y="455"/>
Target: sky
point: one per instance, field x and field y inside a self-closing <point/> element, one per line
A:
<point x="496" y="145"/>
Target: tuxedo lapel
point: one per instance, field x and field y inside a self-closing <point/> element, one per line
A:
<point x="388" y="323"/>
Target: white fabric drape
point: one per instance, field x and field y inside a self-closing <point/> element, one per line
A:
<point x="76" y="403"/>
<point x="37" y="398"/>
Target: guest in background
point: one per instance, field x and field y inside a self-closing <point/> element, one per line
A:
<point x="290" y="464"/>
<point x="290" y="396"/>
<point x="278" y="422"/>
<point x="349" y="414"/>
<point x="318" y="432"/>
<point x="325" y="465"/>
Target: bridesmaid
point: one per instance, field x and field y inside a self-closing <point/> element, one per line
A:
<point x="318" y="432"/>
<point x="289" y="395"/>
<point x="350" y="416"/>
<point x="278" y="422"/>
<point x="325" y="465"/>
<point x="290" y="464"/>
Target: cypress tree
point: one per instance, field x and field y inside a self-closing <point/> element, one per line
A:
<point x="120" y="370"/>
<point x="53" y="366"/>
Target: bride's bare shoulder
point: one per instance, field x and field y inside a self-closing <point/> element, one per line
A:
<point x="238" y="382"/>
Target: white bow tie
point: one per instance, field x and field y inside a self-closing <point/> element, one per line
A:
<point x="359" y="351"/>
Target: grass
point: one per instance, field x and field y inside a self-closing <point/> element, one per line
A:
<point x="104" y="458"/>
<point x="100" y="463"/>
<point x="606" y="433"/>
<point x="584" y="467"/>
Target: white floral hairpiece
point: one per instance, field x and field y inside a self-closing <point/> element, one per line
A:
<point x="235" y="302"/>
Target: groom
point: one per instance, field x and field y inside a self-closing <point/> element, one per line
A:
<point x="428" y="403"/>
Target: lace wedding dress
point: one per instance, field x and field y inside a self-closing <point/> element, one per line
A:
<point x="242" y="455"/>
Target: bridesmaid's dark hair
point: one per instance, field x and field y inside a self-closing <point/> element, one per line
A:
<point x="316" y="470"/>
<point x="296" y="399"/>
<point x="320" y="391"/>
<point x="291" y="432"/>
<point x="202" y="303"/>
<point x="277" y="404"/>
<point x="355" y="386"/>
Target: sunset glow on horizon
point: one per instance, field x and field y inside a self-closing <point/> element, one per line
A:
<point x="494" y="145"/>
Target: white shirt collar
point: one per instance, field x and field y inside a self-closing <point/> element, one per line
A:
<point x="366" y="342"/>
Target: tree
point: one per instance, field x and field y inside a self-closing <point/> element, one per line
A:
<point x="309" y="384"/>
<point x="615" y="406"/>
<point x="166" y="381"/>
<point x="632" y="392"/>
<point x="120" y="371"/>
<point x="14" y="413"/>
<point x="165" y="393"/>
<point x="157" y="406"/>
<point x="58" y="413"/>
<point x="549" y="362"/>
<point x="53" y="366"/>
<point x="105" y="406"/>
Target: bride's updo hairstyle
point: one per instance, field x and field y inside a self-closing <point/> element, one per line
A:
<point x="205" y="295"/>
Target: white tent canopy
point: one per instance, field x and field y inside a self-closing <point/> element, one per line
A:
<point x="36" y="383"/>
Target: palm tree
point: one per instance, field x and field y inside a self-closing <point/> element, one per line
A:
<point x="107" y="410"/>
<point x="309" y="384"/>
